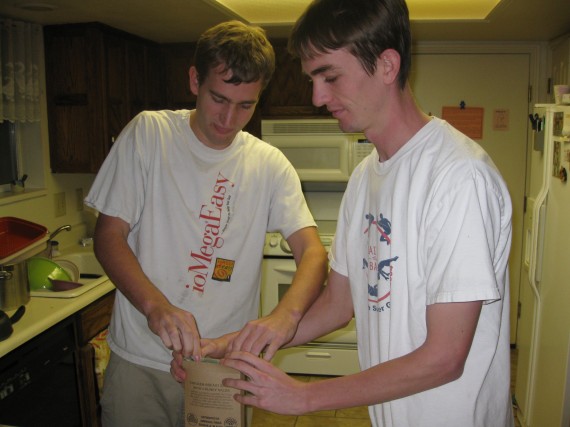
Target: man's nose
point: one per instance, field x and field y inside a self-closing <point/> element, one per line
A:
<point x="320" y="95"/>
<point x="228" y="115"/>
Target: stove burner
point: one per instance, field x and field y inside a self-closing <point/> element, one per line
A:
<point x="277" y="246"/>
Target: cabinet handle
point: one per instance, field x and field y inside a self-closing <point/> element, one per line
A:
<point x="71" y="99"/>
<point x="5" y="275"/>
<point x="286" y="270"/>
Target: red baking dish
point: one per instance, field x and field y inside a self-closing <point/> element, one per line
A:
<point x="20" y="239"/>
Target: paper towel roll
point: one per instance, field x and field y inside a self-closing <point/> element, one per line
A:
<point x="560" y="90"/>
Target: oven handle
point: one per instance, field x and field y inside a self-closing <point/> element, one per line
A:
<point x="286" y="270"/>
<point x="318" y="355"/>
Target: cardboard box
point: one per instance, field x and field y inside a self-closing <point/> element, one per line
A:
<point x="208" y="403"/>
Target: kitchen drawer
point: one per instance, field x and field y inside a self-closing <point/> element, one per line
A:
<point x="317" y="360"/>
<point x="94" y="318"/>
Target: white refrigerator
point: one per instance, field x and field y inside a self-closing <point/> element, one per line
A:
<point x="542" y="389"/>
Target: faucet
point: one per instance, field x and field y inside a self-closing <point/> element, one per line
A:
<point x="52" y="246"/>
<point x="58" y="230"/>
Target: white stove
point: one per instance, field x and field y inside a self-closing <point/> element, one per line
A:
<point x="333" y="354"/>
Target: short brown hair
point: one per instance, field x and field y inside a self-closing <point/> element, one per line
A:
<point x="364" y="27"/>
<point x="243" y="49"/>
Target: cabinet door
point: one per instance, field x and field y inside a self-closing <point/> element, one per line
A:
<point x="74" y="110"/>
<point x="88" y="323"/>
<point x="97" y="79"/>
<point x="117" y="107"/>
<point x="177" y="61"/>
<point x="155" y="88"/>
<point x="94" y="318"/>
<point x="289" y="92"/>
<point x="136" y="78"/>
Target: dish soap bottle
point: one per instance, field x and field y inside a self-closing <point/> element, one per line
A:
<point x="54" y="249"/>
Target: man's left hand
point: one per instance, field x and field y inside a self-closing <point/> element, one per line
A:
<point x="266" y="335"/>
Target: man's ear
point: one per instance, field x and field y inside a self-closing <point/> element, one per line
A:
<point x="389" y="65"/>
<point x="193" y="76"/>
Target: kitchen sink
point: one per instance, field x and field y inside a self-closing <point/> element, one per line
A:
<point x="86" y="262"/>
<point x="91" y="274"/>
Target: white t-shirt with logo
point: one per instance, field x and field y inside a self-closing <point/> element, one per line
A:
<point x="198" y="219"/>
<point x="430" y="225"/>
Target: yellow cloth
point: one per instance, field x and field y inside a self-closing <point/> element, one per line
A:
<point x="102" y="354"/>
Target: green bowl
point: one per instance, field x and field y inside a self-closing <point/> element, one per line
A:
<point x="40" y="270"/>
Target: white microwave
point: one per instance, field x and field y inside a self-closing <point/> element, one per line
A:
<point x="317" y="148"/>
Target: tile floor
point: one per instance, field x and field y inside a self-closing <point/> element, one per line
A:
<point x="353" y="417"/>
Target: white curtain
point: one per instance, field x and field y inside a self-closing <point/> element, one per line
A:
<point x="20" y="47"/>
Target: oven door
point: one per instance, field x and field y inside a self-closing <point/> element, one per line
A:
<point x="332" y="354"/>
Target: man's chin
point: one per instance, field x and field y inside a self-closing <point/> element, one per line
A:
<point x="346" y="126"/>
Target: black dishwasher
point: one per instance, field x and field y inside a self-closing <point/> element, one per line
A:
<point x="38" y="381"/>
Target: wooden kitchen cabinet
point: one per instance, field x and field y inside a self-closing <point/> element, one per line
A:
<point x="88" y="323"/>
<point x="289" y="92"/>
<point x="97" y="79"/>
<point x="154" y="87"/>
<point x="178" y="57"/>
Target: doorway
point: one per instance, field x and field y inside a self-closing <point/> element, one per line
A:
<point x="498" y="83"/>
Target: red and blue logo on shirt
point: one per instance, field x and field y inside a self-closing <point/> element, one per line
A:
<point x="379" y="229"/>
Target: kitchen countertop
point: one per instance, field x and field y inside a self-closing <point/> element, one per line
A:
<point x="42" y="313"/>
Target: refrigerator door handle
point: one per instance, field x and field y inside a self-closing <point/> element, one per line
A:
<point x="539" y="219"/>
<point x="539" y="247"/>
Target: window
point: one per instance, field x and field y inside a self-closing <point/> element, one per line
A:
<point x="8" y="157"/>
<point x="20" y="95"/>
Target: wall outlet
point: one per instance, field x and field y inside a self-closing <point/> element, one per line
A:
<point x="79" y="199"/>
<point x="60" y="204"/>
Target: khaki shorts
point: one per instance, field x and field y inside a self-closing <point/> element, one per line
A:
<point x="138" y="396"/>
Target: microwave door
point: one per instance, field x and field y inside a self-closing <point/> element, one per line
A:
<point x="317" y="158"/>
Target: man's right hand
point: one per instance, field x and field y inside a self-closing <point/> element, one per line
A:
<point x="176" y="328"/>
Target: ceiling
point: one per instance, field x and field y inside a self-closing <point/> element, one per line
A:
<point x="172" y="21"/>
<point x="286" y="12"/>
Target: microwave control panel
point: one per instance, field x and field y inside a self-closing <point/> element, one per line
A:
<point x="361" y="148"/>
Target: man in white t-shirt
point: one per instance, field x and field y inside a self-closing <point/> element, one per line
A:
<point x="421" y="250"/>
<point x="185" y="199"/>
